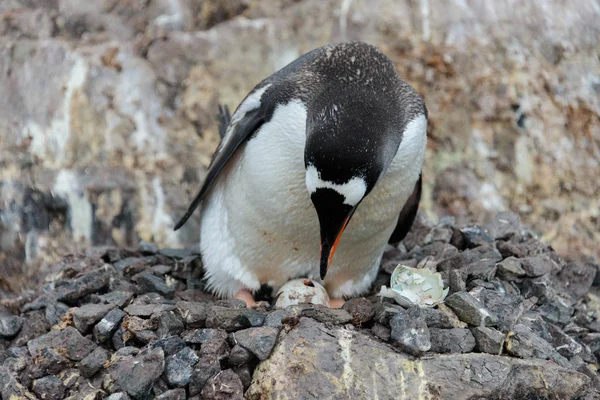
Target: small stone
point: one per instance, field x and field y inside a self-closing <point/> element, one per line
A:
<point x="217" y="348"/>
<point x="233" y="319"/>
<point x="385" y="311"/>
<point x="55" y="311"/>
<point x="169" y="324"/>
<point x="438" y="234"/>
<point x="578" y="277"/>
<point x="488" y="340"/>
<point x="226" y="385"/>
<point x="151" y="283"/>
<point x="252" y="318"/>
<point x="456" y="280"/>
<point x="486" y="252"/>
<point x="161" y="270"/>
<point x="34" y="325"/>
<point x="475" y="236"/>
<point x="410" y="332"/>
<point x="199" y="336"/>
<point x="567" y="346"/>
<point x="10" y="325"/>
<point x="381" y="331"/>
<point x="360" y="309"/>
<point x="51" y="362"/>
<point x="436" y="251"/>
<point x="170" y="345"/>
<point x="441" y="317"/>
<point x="469" y="309"/>
<point x="87" y="315"/>
<point x="179" y="367"/>
<point x="510" y="269"/>
<point x="146" y="310"/>
<point x="537" y="265"/>
<point x="117" y="297"/>
<point x="193" y="314"/>
<point x="455" y="340"/>
<point x="69" y="341"/>
<point x="245" y="374"/>
<point x="259" y="341"/>
<point x="93" y="362"/>
<point x="136" y="375"/>
<point x="133" y="265"/>
<point x="524" y="343"/>
<point x="206" y="368"/>
<point x="91" y="282"/>
<point x="10" y="388"/>
<point x="145" y="336"/>
<point x="239" y="355"/>
<point x="118" y="338"/>
<point x="122" y="285"/>
<point x="336" y="316"/>
<point x="274" y="318"/>
<point x="556" y="312"/>
<point x="127" y="351"/>
<point x="49" y="387"/>
<point x="147" y="247"/>
<point x="175" y="394"/>
<point x="507" y="308"/>
<point x="108" y="325"/>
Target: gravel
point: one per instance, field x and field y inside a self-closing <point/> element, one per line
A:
<point x="138" y="327"/>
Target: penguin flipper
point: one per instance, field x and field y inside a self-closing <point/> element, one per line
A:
<point x="223" y="118"/>
<point x="237" y="132"/>
<point x="407" y="215"/>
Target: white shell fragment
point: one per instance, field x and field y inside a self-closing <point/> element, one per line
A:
<point x="412" y="286"/>
<point x="300" y="291"/>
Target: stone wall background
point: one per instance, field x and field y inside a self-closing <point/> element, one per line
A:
<point x="107" y="110"/>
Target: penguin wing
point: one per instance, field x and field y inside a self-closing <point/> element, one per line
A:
<point x="223" y="118"/>
<point x="407" y="215"/>
<point x="239" y="129"/>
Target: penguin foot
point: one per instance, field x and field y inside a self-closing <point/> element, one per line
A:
<point x="246" y="296"/>
<point x="336" y="303"/>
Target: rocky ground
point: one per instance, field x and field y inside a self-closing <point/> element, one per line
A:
<point x="520" y="322"/>
<point x="107" y="114"/>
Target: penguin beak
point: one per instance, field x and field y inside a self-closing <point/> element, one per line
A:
<point x="334" y="216"/>
<point x="331" y="233"/>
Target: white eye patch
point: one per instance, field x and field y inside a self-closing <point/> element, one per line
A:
<point x="353" y="190"/>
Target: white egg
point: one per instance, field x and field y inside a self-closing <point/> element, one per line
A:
<point x="299" y="291"/>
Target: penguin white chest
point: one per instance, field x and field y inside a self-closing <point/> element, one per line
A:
<point x="258" y="224"/>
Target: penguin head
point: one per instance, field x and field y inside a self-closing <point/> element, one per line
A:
<point x="348" y="148"/>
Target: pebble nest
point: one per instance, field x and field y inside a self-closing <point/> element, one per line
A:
<point x="118" y="324"/>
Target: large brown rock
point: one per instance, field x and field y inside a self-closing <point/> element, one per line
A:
<point x="314" y="361"/>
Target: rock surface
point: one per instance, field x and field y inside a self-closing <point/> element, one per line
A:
<point x="295" y="369"/>
<point x="94" y="330"/>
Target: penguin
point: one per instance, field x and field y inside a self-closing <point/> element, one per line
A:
<point x="318" y="169"/>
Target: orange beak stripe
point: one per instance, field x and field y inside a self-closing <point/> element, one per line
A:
<point x="337" y="241"/>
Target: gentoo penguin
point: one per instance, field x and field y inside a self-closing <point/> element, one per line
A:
<point x="319" y="168"/>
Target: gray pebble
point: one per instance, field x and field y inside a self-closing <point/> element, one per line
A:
<point x="179" y="367"/>
<point x="469" y="309"/>
<point x="455" y="340"/>
<point x="93" y="362"/>
<point x="409" y="331"/>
